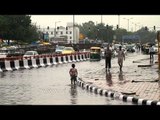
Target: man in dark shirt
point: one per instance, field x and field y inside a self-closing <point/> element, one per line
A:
<point x="108" y="55"/>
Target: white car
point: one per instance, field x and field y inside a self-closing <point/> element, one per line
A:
<point x="30" y="54"/>
<point x="156" y="49"/>
<point x="59" y="49"/>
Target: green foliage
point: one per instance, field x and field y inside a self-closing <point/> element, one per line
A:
<point x="106" y="33"/>
<point x="146" y="36"/>
<point x="119" y="33"/>
<point x="99" y="31"/>
<point x="17" y="27"/>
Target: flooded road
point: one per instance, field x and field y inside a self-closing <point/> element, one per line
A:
<point x="51" y="86"/>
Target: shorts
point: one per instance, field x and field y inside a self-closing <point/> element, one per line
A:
<point x="73" y="78"/>
<point x="120" y="60"/>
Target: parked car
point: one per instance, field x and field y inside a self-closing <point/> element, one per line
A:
<point x="30" y="54"/>
<point x="10" y="53"/>
<point x="68" y="50"/>
<point x="59" y="49"/>
<point x="156" y="49"/>
<point x="3" y="53"/>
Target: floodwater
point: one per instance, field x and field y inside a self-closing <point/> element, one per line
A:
<point x="51" y="85"/>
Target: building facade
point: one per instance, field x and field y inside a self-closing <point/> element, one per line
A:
<point x="69" y="33"/>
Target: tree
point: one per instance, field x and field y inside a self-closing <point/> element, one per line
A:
<point x="97" y="32"/>
<point x="146" y="35"/>
<point x="17" y="27"/>
<point x="106" y="33"/>
<point x="119" y="33"/>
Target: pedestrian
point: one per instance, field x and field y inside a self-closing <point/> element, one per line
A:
<point x="121" y="57"/>
<point x="73" y="74"/>
<point x="151" y="52"/>
<point x="108" y="56"/>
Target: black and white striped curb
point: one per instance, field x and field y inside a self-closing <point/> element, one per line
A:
<point x="115" y="95"/>
<point x="42" y="61"/>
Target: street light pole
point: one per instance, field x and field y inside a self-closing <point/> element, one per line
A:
<point x="55" y="28"/>
<point x="73" y="30"/>
<point x="119" y="21"/>
<point x="128" y="21"/>
<point x="101" y="19"/>
<point x="136" y="24"/>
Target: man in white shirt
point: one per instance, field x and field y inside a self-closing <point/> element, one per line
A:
<point x="121" y="57"/>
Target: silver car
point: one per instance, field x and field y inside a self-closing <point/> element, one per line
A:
<point x="30" y="54"/>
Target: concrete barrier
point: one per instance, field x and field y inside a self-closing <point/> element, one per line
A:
<point x="54" y="60"/>
<point x="77" y="59"/>
<point x="84" y="58"/>
<point x="16" y="63"/>
<point x="1" y="70"/>
<point x="8" y="66"/>
<point x="64" y="59"/>
<point x="41" y="61"/>
<point x="69" y="58"/>
<point x="59" y="59"/>
<point x="80" y="57"/>
<point x="48" y="61"/>
<point x="25" y="62"/>
<point x="73" y="58"/>
<point x="34" y="63"/>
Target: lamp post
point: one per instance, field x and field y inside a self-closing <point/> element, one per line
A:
<point x="119" y="21"/>
<point x="136" y="24"/>
<point x="55" y="28"/>
<point x="73" y="29"/>
<point x="128" y="21"/>
<point x="118" y="26"/>
<point x="101" y="19"/>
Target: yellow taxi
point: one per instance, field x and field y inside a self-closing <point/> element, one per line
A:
<point x="68" y="50"/>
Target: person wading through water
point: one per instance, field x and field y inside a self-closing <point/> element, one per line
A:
<point x="73" y="74"/>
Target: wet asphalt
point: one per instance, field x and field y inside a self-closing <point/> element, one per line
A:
<point x="51" y="85"/>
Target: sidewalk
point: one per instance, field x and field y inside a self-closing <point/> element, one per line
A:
<point x="134" y="81"/>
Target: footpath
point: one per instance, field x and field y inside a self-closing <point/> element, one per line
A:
<point x="138" y="82"/>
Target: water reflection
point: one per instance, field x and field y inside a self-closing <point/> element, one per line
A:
<point x="151" y="61"/>
<point x="2" y="74"/>
<point x="109" y="78"/>
<point x="73" y="93"/>
<point x="121" y="76"/>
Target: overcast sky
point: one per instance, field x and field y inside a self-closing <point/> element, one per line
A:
<point x="139" y="20"/>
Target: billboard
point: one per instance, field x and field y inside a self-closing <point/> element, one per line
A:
<point x="131" y="38"/>
<point x="45" y="36"/>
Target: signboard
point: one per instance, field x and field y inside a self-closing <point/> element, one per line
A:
<point x="45" y="36"/>
<point x="131" y="38"/>
<point x="81" y="36"/>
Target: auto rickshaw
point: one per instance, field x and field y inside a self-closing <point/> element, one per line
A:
<point x="95" y="54"/>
